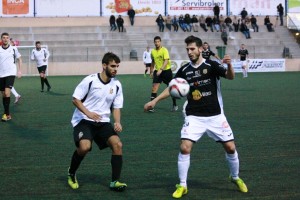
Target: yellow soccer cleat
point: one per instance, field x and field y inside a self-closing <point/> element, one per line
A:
<point x="72" y="181"/>
<point x="240" y="184"/>
<point x="180" y="191"/>
<point x="117" y="186"/>
<point x="5" y="117"/>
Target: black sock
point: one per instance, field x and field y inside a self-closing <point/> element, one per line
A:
<point x="47" y="83"/>
<point x="174" y="101"/>
<point x="146" y="71"/>
<point x="42" y="83"/>
<point x="153" y="96"/>
<point x="75" y="162"/>
<point x="116" y="167"/>
<point x="6" y="102"/>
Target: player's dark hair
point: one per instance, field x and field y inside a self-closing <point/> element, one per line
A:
<point x="37" y="42"/>
<point x="193" y="39"/>
<point x="157" y="38"/>
<point x="109" y="57"/>
<point x="4" y="34"/>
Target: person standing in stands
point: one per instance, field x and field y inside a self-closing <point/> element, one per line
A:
<point x="41" y="56"/>
<point x="8" y="72"/>
<point x="131" y="14"/>
<point x="216" y="10"/>
<point x="280" y="11"/>
<point x="112" y="22"/>
<point x="120" y="23"/>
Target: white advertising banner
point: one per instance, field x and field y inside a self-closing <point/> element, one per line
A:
<point x="20" y="8"/>
<point x="141" y="7"/>
<point x="254" y="65"/>
<point x="195" y="7"/>
<point x="59" y="8"/>
<point x="255" y="7"/>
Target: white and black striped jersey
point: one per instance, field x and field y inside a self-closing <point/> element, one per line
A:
<point x="39" y="56"/>
<point x="243" y="54"/>
<point x="204" y="98"/>
<point x="207" y="53"/>
<point x="8" y="58"/>
<point x="98" y="97"/>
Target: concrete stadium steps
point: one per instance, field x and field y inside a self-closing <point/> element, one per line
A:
<point x="72" y="43"/>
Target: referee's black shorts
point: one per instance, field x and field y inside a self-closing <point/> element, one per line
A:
<point x="165" y="76"/>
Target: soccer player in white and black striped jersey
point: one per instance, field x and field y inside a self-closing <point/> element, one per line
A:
<point x="41" y="56"/>
<point x="97" y="97"/>
<point x="203" y="112"/>
<point x="243" y="53"/>
<point x="8" y="71"/>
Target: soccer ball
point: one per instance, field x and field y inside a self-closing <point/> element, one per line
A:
<point x="179" y="87"/>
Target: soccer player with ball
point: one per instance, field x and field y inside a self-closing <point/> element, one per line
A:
<point x="203" y="112"/>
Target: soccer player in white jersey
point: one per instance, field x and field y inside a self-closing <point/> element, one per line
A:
<point x="41" y="56"/>
<point x="203" y="112"/>
<point x="147" y="60"/>
<point x="8" y="71"/>
<point x="95" y="98"/>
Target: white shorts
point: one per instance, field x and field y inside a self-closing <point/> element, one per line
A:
<point x="245" y="63"/>
<point x="216" y="127"/>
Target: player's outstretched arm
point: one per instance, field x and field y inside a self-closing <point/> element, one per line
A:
<point x="151" y="104"/>
<point x="230" y="71"/>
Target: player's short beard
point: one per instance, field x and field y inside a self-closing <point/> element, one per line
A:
<point x="108" y="74"/>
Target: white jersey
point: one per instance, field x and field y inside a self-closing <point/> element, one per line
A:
<point x="8" y="61"/>
<point x="97" y="97"/>
<point x="39" y="56"/>
<point x="147" y="57"/>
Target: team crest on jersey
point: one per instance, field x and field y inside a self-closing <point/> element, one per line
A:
<point x="204" y="71"/>
<point x="196" y="95"/>
<point x="80" y="135"/>
<point x="111" y="91"/>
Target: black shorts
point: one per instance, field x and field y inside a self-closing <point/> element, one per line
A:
<point x="98" y="132"/>
<point x="42" y="69"/>
<point x="165" y="76"/>
<point x="7" y="82"/>
<point x="148" y="64"/>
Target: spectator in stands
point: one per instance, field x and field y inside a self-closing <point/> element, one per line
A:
<point x="224" y="36"/>
<point x="112" y="22"/>
<point x="216" y="10"/>
<point x="280" y="11"/>
<point x="222" y="22"/>
<point x="268" y="24"/>
<point x="244" y="13"/>
<point x="169" y="22"/>
<point x="209" y="23"/>
<point x="160" y="23"/>
<point x="245" y="29"/>
<point x="254" y="23"/>
<point x="228" y="22"/>
<point x="131" y="14"/>
<point x="202" y="23"/>
<point x="195" y="23"/>
<point x="175" y="23"/>
<point x="182" y="23"/>
<point x="188" y="22"/>
<point x="236" y="23"/>
<point x="216" y="24"/>
<point x="120" y="23"/>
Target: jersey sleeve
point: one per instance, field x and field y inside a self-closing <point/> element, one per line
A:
<point x="212" y="53"/>
<point x="32" y="55"/>
<point x="166" y="54"/>
<point x="118" y="101"/>
<point x="82" y="88"/>
<point x="144" y="57"/>
<point x="47" y="53"/>
<point x="18" y="55"/>
<point x="219" y="69"/>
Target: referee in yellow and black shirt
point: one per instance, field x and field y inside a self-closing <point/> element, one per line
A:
<point x="162" y="69"/>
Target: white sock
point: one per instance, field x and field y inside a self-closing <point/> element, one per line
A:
<point x="14" y="92"/>
<point x="244" y="73"/>
<point x="183" y="168"/>
<point x="234" y="164"/>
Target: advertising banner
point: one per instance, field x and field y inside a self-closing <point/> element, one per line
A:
<point x="59" y="8"/>
<point x="254" y="7"/>
<point x="195" y="7"/>
<point x="141" y="7"/>
<point x="254" y="65"/>
<point x="11" y="8"/>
